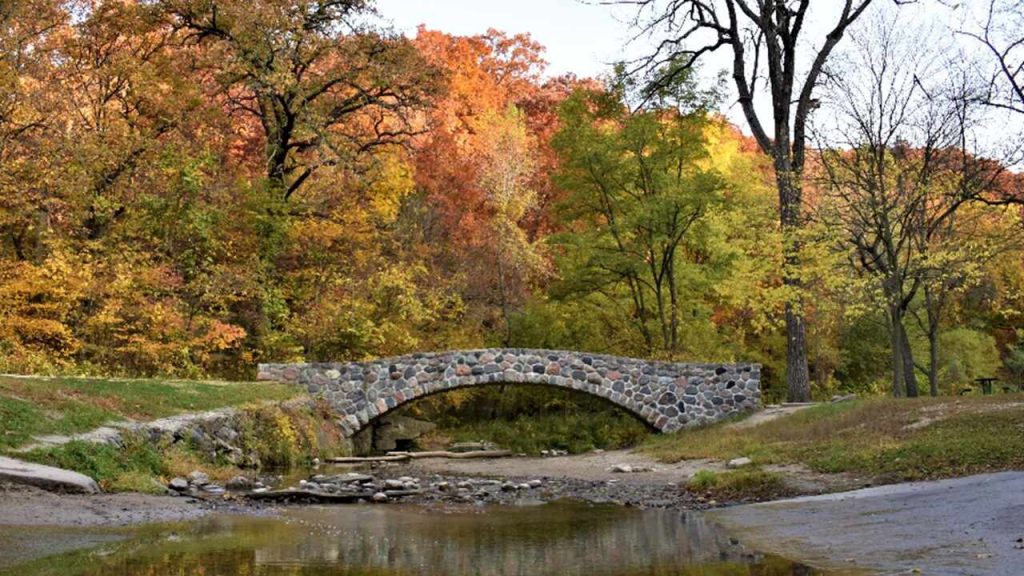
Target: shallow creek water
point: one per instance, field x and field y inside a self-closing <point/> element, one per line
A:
<point x="363" y="540"/>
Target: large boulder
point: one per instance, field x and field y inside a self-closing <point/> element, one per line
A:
<point x="46" y="477"/>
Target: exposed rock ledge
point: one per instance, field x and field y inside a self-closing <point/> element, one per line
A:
<point x="111" y="433"/>
<point x="46" y="477"/>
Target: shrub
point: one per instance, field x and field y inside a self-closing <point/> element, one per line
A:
<point x="747" y="484"/>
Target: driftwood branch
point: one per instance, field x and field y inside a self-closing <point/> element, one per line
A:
<point x="325" y="497"/>
<point x="407" y="456"/>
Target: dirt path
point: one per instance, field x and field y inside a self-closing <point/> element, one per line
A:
<point x="645" y="471"/>
<point x="111" y="432"/>
<point x="769" y="413"/>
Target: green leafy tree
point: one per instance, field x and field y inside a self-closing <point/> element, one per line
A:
<point x="637" y="208"/>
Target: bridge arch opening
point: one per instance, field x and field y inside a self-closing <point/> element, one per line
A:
<point x="523" y="418"/>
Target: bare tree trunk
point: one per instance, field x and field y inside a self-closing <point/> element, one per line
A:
<point x="896" y="345"/>
<point x="933" y="364"/>
<point x="933" y="341"/>
<point x="798" y="376"/>
<point x="674" y="304"/>
<point x="909" y="371"/>
<point x="798" y="379"/>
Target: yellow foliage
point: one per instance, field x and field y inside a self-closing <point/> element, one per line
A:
<point x="37" y="304"/>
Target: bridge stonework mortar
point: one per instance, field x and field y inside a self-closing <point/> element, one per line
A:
<point x="668" y="396"/>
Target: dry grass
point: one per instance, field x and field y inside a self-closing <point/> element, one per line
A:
<point x="905" y="439"/>
<point x="180" y="462"/>
<point x="747" y="484"/>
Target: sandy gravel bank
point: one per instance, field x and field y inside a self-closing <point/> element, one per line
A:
<point x="28" y="506"/>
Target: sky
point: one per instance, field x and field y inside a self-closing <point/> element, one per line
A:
<point x="580" y="38"/>
<point x="585" y="37"/>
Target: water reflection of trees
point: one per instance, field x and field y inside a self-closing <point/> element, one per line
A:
<point x="389" y="541"/>
<point x="559" y="540"/>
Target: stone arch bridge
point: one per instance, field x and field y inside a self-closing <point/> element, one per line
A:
<point x="667" y="396"/>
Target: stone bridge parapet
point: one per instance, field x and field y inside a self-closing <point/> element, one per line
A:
<point x="667" y="396"/>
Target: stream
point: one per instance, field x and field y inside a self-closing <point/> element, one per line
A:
<point x="562" y="539"/>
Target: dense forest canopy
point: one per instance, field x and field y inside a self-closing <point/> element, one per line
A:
<point x="189" y="187"/>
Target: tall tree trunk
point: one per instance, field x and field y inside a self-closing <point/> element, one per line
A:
<point x="673" y="303"/>
<point x="909" y="371"/>
<point x="933" y="363"/>
<point x="933" y="307"/>
<point x="896" y="346"/>
<point x="797" y="375"/>
<point x="798" y="379"/>
<point x="506" y="314"/>
<point x="640" y="312"/>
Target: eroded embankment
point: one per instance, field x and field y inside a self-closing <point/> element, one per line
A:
<point x="142" y="457"/>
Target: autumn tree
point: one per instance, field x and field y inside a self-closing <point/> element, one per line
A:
<point x="28" y="29"/>
<point x="900" y="181"/>
<point x="508" y="162"/>
<point x="764" y="40"/>
<point x="323" y="83"/>
<point x="479" y="172"/>
<point x="126" y="93"/>
<point x="99" y="276"/>
<point x="24" y="26"/>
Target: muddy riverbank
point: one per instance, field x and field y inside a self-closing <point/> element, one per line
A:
<point x="27" y="506"/>
<point x="595" y="478"/>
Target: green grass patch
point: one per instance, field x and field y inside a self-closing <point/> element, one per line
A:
<point x="127" y="468"/>
<point x="34" y="406"/>
<point x="904" y="439"/>
<point x="19" y="421"/>
<point x="747" y="484"/>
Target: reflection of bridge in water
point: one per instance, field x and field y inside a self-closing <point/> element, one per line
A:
<point x="555" y="540"/>
<point x="394" y="540"/>
<point x="667" y="396"/>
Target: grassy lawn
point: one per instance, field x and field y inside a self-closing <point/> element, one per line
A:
<point x="893" y="439"/>
<point x="35" y="406"/>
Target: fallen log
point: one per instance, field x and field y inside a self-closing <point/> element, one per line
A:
<point x="454" y="455"/>
<point x="406" y="456"/>
<point x="309" y="496"/>
<point x="368" y="459"/>
<point x="402" y="493"/>
<point x="326" y="497"/>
